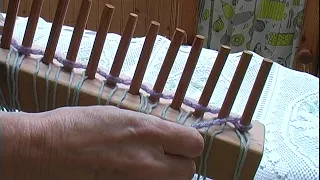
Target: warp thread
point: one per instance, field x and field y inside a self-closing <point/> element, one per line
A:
<point x="144" y="105"/>
<point x="234" y="120"/>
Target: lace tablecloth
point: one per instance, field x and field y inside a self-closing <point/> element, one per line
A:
<point x="289" y="106"/>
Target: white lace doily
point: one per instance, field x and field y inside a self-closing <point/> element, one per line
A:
<point x="289" y="106"/>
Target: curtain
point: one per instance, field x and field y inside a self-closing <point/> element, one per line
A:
<point x="269" y="28"/>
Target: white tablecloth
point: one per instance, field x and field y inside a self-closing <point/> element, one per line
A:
<point x="289" y="106"/>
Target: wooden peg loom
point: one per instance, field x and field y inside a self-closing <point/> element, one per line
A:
<point x="34" y="80"/>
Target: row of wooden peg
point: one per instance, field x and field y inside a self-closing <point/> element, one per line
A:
<point x="176" y="41"/>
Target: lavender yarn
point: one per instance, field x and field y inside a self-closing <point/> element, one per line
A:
<point x="202" y="124"/>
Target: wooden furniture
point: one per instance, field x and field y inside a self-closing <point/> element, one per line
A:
<point x="171" y="14"/>
<point x="307" y="57"/>
<point x="234" y="144"/>
<point x="174" y="14"/>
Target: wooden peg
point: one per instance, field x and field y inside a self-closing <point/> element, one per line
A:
<point x="178" y="38"/>
<point x="256" y="92"/>
<point x="213" y="78"/>
<point x="57" y="24"/>
<point x="144" y="58"/>
<point x="123" y="48"/>
<point x="101" y="36"/>
<point x="9" y="23"/>
<point x="78" y="32"/>
<point x="235" y="84"/>
<point x="187" y="72"/>
<point x="305" y="56"/>
<point x="32" y="23"/>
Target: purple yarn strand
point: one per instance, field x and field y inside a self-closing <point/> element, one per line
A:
<point x="199" y="125"/>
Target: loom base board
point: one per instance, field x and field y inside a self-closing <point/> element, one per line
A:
<point x="225" y="149"/>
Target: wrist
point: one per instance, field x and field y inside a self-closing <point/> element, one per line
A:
<point x="14" y="130"/>
<point x="18" y="131"/>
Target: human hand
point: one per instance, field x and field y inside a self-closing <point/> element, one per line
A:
<point x="105" y="142"/>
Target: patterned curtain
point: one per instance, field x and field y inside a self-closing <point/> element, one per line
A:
<point x="270" y="28"/>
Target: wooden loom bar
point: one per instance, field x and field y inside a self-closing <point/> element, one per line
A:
<point x="255" y="94"/>
<point x="187" y="72"/>
<point x="213" y="78"/>
<point x="9" y="23"/>
<point x="101" y="36"/>
<point x="123" y="47"/>
<point x="226" y="143"/>
<point x="32" y="23"/>
<point x="144" y="58"/>
<point x="57" y="24"/>
<point x="167" y="64"/>
<point x="78" y="32"/>
<point x="235" y="84"/>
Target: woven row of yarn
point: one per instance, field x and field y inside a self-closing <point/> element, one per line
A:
<point x="144" y="106"/>
<point x="234" y="120"/>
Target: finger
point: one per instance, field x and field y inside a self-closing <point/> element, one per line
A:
<point x="179" y="167"/>
<point x="176" y="139"/>
<point x="181" y="140"/>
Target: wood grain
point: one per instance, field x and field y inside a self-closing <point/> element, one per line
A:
<point x="189" y="18"/>
<point x="9" y="24"/>
<point x="100" y="39"/>
<point x="94" y="18"/>
<point x="225" y="147"/>
<point x="46" y="11"/>
<point x="171" y="14"/>
<point x="309" y="38"/>
<point x="32" y="23"/>
<point x="116" y="26"/>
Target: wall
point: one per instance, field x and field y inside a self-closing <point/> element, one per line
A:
<point x="170" y="13"/>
